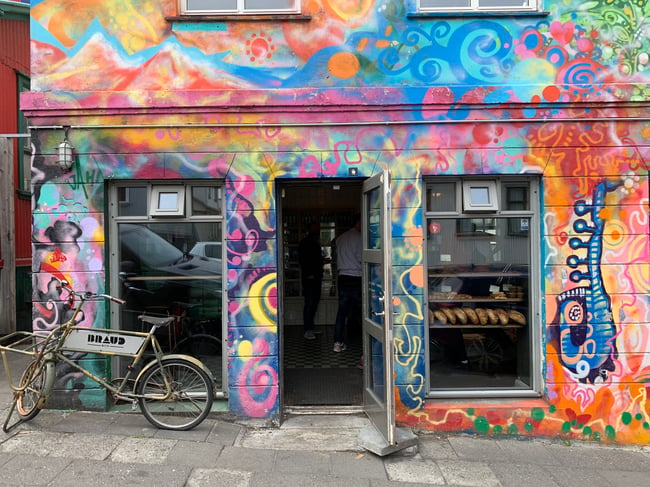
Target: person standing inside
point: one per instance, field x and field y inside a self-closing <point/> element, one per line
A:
<point x="310" y="258"/>
<point x="348" y="256"/>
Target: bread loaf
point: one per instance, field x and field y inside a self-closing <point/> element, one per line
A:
<point x="493" y="318"/>
<point x="517" y="317"/>
<point x="503" y="316"/>
<point x="440" y="316"/>
<point x="451" y="317"/>
<point x="460" y="316"/>
<point x="472" y="317"/>
<point x="482" y="316"/>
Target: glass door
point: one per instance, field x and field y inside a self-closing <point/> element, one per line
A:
<point x="376" y="309"/>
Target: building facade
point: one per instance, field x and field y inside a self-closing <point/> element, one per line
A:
<point x="15" y="204"/>
<point x="497" y="152"/>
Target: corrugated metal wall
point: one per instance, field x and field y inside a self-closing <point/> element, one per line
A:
<point x="14" y="56"/>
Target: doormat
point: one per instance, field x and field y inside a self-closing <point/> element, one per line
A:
<point x="323" y="387"/>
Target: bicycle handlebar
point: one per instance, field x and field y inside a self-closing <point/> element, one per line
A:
<point x="87" y="295"/>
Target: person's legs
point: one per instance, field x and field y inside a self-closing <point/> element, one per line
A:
<point x="312" y="291"/>
<point x="343" y="311"/>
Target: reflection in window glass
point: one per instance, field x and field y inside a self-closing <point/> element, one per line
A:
<point x="376" y="372"/>
<point x="441" y="197"/>
<point x="373" y="216"/>
<point x="374" y="306"/>
<point x="132" y="201"/>
<point x="206" y="200"/>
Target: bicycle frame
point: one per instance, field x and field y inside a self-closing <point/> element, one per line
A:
<point x="50" y="349"/>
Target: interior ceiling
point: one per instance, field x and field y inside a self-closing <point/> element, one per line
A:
<point x="321" y="195"/>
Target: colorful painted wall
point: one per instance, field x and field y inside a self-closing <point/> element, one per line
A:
<point x="563" y="95"/>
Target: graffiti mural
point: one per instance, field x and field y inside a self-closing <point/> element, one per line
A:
<point x="368" y="85"/>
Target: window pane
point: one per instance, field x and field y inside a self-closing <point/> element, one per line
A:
<point x="478" y="275"/>
<point x="502" y="3"/>
<point x="479" y="196"/>
<point x="516" y="198"/>
<point x="269" y="4"/>
<point x="211" y="4"/>
<point x="206" y="200"/>
<point x="175" y="269"/>
<point x="448" y="4"/>
<point x="441" y="197"/>
<point x="132" y="201"/>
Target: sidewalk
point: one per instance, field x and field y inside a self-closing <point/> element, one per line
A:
<point x="96" y="449"/>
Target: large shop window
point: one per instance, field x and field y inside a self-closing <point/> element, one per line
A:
<point x="240" y="7"/>
<point x="481" y="262"/>
<point x="166" y="247"/>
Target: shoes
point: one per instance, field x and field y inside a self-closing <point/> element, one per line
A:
<point x="339" y="347"/>
<point x="309" y="335"/>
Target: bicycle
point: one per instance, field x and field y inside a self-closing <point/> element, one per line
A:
<point x="173" y="391"/>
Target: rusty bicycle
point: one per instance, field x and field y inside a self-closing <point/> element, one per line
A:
<point x="173" y="391"/>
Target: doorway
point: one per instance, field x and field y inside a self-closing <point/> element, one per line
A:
<point x="313" y="374"/>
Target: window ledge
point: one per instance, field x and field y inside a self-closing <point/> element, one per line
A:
<point x="235" y="18"/>
<point x="482" y="14"/>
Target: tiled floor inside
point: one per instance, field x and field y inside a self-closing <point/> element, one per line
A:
<point x="302" y="353"/>
<point x="315" y="375"/>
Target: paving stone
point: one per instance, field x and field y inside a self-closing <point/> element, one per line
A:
<point x="218" y="476"/>
<point x="110" y="474"/>
<point x="578" y="477"/>
<point x="194" y="454"/>
<point x="70" y="445"/>
<point x="27" y="470"/>
<point x="413" y="469"/>
<point x="143" y="450"/>
<point x="305" y="462"/>
<point x="621" y="478"/>
<point x="362" y="465"/>
<point x="526" y="451"/>
<point x="518" y="475"/>
<point x="476" y="449"/>
<point x="303" y="439"/>
<point x="468" y="474"/>
<point x="294" y="480"/>
<point x="434" y="449"/>
<point x="224" y="433"/>
<point x="198" y="433"/>
<point x="246" y="459"/>
<point x="603" y="457"/>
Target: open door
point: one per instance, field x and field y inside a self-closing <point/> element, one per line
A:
<point x="377" y="315"/>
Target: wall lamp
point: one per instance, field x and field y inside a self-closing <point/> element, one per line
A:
<point x="66" y="153"/>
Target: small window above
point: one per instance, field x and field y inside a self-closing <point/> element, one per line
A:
<point x="480" y="196"/>
<point x="167" y="201"/>
<point x="458" y="6"/>
<point x="239" y="7"/>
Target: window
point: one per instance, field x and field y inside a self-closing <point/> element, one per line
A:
<point x="476" y="5"/>
<point x="480" y="196"/>
<point x="167" y="201"/>
<point x="25" y="145"/>
<point x="240" y="7"/>
<point x="170" y="266"/>
<point x="481" y="299"/>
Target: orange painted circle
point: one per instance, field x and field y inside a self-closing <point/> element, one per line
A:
<point x="343" y="65"/>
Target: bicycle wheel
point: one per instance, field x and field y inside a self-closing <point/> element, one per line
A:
<point x="33" y="381"/>
<point x="206" y="348"/>
<point x="190" y="400"/>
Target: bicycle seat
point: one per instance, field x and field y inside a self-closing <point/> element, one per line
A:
<point x="157" y="320"/>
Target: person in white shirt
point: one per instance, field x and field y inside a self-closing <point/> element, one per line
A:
<point x="348" y="255"/>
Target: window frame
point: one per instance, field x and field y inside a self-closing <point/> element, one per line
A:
<point x="113" y="191"/>
<point x="241" y="10"/>
<point x="23" y="84"/>
<point x="474" y="7"/>
<point x="533" y="215"/>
